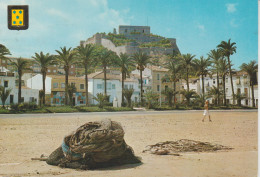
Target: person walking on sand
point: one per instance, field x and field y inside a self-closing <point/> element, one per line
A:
<point x="206" y="111"/>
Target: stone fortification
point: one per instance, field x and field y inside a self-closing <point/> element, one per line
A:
<point x="138" y="38"/>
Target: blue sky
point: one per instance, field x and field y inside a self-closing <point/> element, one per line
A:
<point x="198" y="26"/>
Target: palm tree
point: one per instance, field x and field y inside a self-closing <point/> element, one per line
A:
<point x="101" y="99"/>
<point x="106" y="58"/>
<point x="125" y="63"/>
<point x="174" y="68"/>
<point x="151" y="98"/>
<point x="128" y="95"/>
<point x="86" y="56"/>
<point x="169" y="93"/>
<point x="215" y="56"/>
<point x="41" y="96"/>
<point x="227" y="49"/>
<point x="44" y="61"/>
<point x="4" y="93"/>
<point x="239" y="97"/>
<point x="20" y="66"/>
<point x="251" y="69"/>
<point x="201" y="69"/>
<point x="223" y="71"/>
<point x="3" y="52"/>
<point x="187" y="65"/>
<point x="66" y="58"/>
<point x="71" y="90"/>
<point x="141" y="60"/>
<point x="188" y="95"/>
<point x="215" y="93"/>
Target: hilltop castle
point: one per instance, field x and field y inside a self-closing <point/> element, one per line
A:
<point x="132" y="39"/>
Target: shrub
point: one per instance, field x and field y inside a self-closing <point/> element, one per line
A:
<point x="151" y="99"/>
<point x="101" y="99"/>
<point x="14" y="107"/>
<point x="4" y="111"/>
<point x="61" y="109"/>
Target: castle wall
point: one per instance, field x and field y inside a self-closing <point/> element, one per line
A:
<point x="143" y="38"/>
<point x="130" y="29"/>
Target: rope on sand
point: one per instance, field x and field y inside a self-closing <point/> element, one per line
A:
<point x="183" y="145"/>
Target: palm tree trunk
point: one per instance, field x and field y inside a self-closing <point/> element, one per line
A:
<point x="231" y="79"/>
<point x="224" y="89"/>
<point x="141" y="92"/>
<point x="122" y="88"/>
<point x="86" y="83"/>
<point x="253" y="97"/>
<point x="105" y="79"/>
<point x="187" y="81"/>
<point x="174" y="89"/>
<point x="218" y="88"/>
<point x="19" y="87"/>
<point x="43" y="85"/>
<point x="203" y="89"/>
<point x="66" y="85"/>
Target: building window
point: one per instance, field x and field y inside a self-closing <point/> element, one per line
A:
<point x="22" y="99"/>
<point x="55" y="85"/>
<point x="73" y="83"/>
<point x="81" y="86"/>
<point x="246" y="91"/>
<point x="99" y="86"/>
<point x="62" y="85"/>
<point x="11" y="99"/>
<point x="143" y="31"/>
<point x="125" y="30"/>
<point x="71" y="72"/>
<point x="31" y="99"/>
<point x="214" y="81"/>
<point x="238" y="80"/>
<point x="49" y="71"/>
<point x="5" y="83"/>
<point x="158" y="88"/>
<point x="158" y="76"/>
<point x="247" y="102"/>
<point x="113" y="86"/>
<point x="131" y="86"/>
<point x="226" y="90"/>
<point x="226" y="80"/>
<point x="126" y="86"/>
<point x="54" y="71"/>
<point x="238" y="91"/>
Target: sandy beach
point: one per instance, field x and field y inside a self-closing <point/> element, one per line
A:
<point x="23" y="137"/>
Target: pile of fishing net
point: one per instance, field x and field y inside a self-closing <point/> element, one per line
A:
<point x="94" y="145"/>
<point x="183" y="145"/>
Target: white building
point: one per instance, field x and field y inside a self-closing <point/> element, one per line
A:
<point x="241" y="83"/>
<point x="9" y="80"/>
<point x="133" y="83"/>
<point x="96" y="85"/>
<point x="35" y="82"/>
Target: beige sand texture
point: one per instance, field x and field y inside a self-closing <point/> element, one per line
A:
<point x="27" y="136"/>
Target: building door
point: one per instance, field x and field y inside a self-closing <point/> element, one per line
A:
<point x="74" y="101"/>
<point x="11" y="99"/>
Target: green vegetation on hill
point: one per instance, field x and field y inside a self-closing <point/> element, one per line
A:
<point x="118" y="39"/>
<point x="166" y="43"/>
